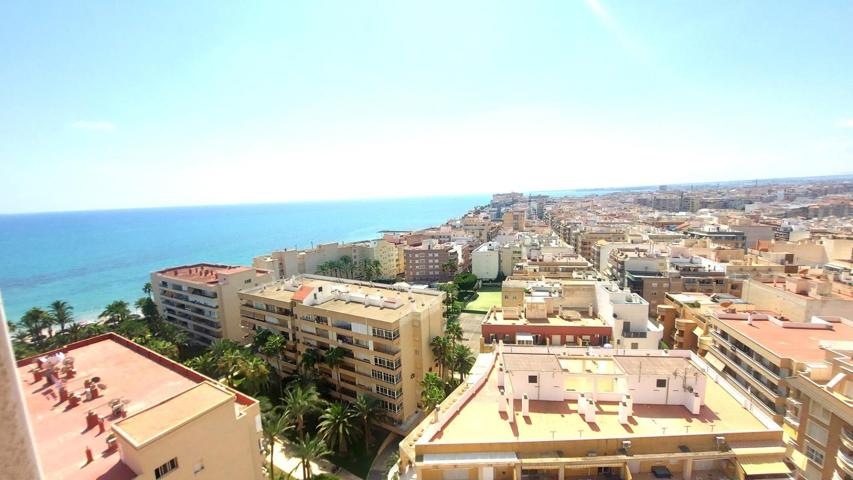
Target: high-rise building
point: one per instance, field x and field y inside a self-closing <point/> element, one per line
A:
<point x="383" y="331"/>
<point x="202" y="300"/>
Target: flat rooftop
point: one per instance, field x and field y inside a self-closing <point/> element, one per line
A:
<point x="138" y="377"/>
<point x="480" y="418"/>
<point x="496" y="317"/>
<point x="203" y="272"/>
<point x="801" y="344"/>
<point x="173" y="412"/>
<point x="277" y="292"/>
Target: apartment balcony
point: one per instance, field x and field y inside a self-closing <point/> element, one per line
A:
<point x="774" y="396"/>
<point x="683" y="324"/>
<point x="706" y="342"/>
<point x="845" y="462"/>
<point x="794" y="422"/>
<point x="746" y="356"/>
<point x="847" y="438"/>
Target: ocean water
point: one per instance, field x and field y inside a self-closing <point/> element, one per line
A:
<point x="93" y="258"/>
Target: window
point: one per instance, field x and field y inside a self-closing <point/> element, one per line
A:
<point x="818" y="412"/>
<point x="661" y="383"/>
<point x="814" y="454"/>
<point x="167" y="467"/>
<point x="817" y="432"/>
<point x="532" y="379"/>
<point x="635" y="345"/>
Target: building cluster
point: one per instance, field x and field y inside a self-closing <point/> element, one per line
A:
<point x="679" y="333"/>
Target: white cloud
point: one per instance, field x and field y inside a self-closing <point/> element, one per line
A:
<point x="94" y="126"/>
<point x="845" y="123"/>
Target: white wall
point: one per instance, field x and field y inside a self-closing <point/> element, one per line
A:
<point x="549" y="385"/>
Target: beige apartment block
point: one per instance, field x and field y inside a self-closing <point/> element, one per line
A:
<point x="202" y="299"/>
<point x="759" y="351"/>
<point x="819" y="419"/>
<point x="384" y="332"/>
<point x="108" y="408"/>
<point x="289" y="262"/>
<point x="800" y="297"/>
<point x="560" y="413"/>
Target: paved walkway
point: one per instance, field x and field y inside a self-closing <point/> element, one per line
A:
<point x="287" y="463"/>
<point x="388" y="447"/>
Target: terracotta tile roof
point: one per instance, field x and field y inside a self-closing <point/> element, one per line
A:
<point x="302" y="293"/>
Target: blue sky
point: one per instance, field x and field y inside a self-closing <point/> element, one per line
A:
<point x="119" y="104"/>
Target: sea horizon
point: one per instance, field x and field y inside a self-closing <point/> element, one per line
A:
<point x="92" y="257"/>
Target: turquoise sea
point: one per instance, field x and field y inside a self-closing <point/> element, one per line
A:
<point x="92" y="258"/>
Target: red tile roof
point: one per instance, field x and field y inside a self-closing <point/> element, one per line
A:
<point x="302" y="293"/>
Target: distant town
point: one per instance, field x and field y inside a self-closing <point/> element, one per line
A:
<point x="695" y="333"/>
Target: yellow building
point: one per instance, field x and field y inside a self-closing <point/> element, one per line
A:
<point x="384" y="331"/>
<point x="202" y="300"/>
<point x="108" y="408"/>
<point x="549" y="413"/>
<point x="819" y="419"/>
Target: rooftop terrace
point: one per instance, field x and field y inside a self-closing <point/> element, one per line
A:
<point x="203" y="272"/>
<point x="479" y="417"/>
<point x="136" y="376"/>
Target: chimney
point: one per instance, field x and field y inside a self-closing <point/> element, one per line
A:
<point x="623" y="413"/>
<point x="695" y="404"/>
<point x="525" y="406"/>
<point x="590" y="411"/>
<point x="629" y="401"/>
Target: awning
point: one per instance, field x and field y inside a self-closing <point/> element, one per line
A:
<point x="698" y="331"/>
<point x="763" y="466"/>
<point x="715" y="362"/>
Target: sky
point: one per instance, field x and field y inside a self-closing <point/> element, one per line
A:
<point x="148" y="104"/>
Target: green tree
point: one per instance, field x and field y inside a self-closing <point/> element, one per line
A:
<point x="337" y="427"/>
<point x="204" y="363"/>
<point x="61" y="314"/>
<point x="453" y="331"/>
<point x="432" y="391"/>
<point x="463" y="359"/>
<point x="116" y="312"/>
<point x="300" y="402"/>
<point x="440" y="347"/>
<point x="369" y="269"/>
<point x="254" y="375"/>
<point x="163" y="347"/>
<point x="34" y="322"/>
<point x="451" y="291"/>
<point x="229" y="365"/>
<point x="310" y="358"/>
<point x="449" y="267"/>
<point x="365" y="408"/>
<point x="333" y="359"/>
<point x="307" y="450"/>
<point x="465" y="281"/>
<point x="347" y="266"/>
<point x="275" y="423"/>
<point x="273" y="347"/>
<point x="147" y="289"/>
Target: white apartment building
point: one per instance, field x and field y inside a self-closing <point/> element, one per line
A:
<point x="485" y="261"/>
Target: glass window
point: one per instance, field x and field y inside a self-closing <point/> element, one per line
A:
<point x="167" y="467"/>
<point x="814" y="454"/>
<point x="817" y="432"/>
<point x="532" y="379"/>
<point x="661" y="383"/>
<point x="818" y="412"/>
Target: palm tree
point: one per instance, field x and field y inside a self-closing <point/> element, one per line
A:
<point x="463" y="360"/>
<point x="205" y="363"/>
<point x="299" y="402"/>
<point x="334" y="358"/>
<point x="347" y="266"/>
<point x="35" y="321"/>
<point x="453" y="330"/>
<point x="365" y="408"/>
<point x="440" y="347"/>
<point x="307" y="450"/>
<point x="275" y="423"/>
<point x="310" y="358"/>
<point x="254" y="374"/>
<point x="432" y="391"/>
<point x="324" y="269"/>
<point x="449" y="267"/>
<point x="61" y="314"/>
<point x="369" y="269"/>
<point x="336" y="426"/>
<point x="116" y="312"/>
<point x="229" y="365"/>
<point x="147" y="289"/>
<point x="335" y="268"/>
<point x="451" y="291"/>
<point x="273" y="348"/>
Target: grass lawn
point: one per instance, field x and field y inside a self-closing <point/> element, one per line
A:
<point x="486" y="298"/>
